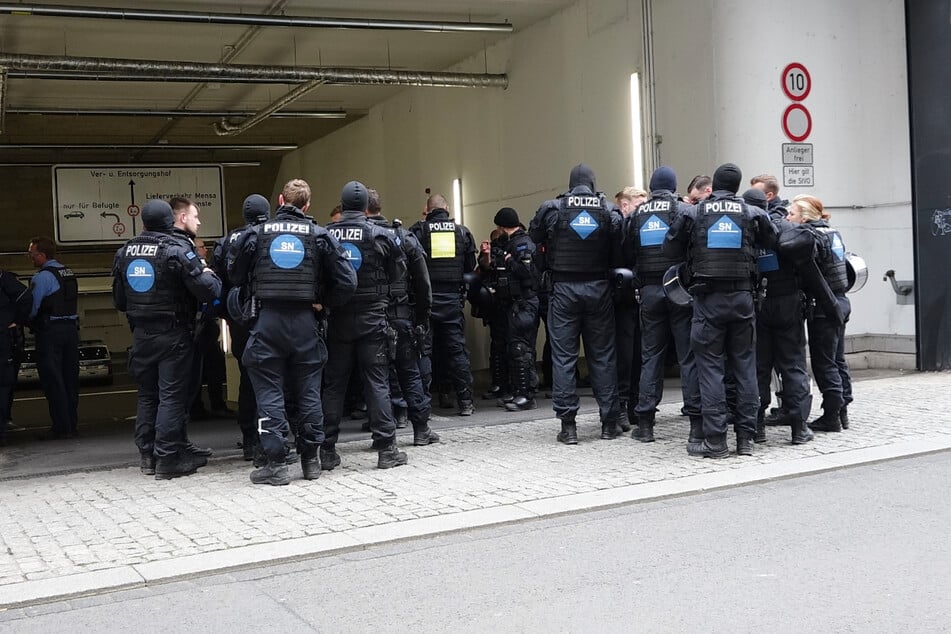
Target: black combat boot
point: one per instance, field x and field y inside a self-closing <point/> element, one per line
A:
<point x="622" y="423"/>
<point x="492" y="393"/>
<point x="777" y="417"/>
<point x="402" y="419"/>
<point x="609" y="430"/>
<point x="203" y="452"/>
<point x="744" y="443"/>
<point x="329" y="458"/>
<point x="521" y="403"/>
<point x="826" y="422"/>
<point x="569" y="432"/>
<point x="696" y="430"/>
<point x="844" y="417"/>
<point x="760" y="435"/>
<point x="391" y="457"/>
<point x="147" y="462"/>
<point x="273" y="473"/>
<point x="801" y="434"/>
<point x="177" y="464"/>
<point x="645" y="428"/>
<point x="707" y="449"/>
<point x="466" y="407"/>
<point x="310" y="464"/>
<point x="424" y="436"/>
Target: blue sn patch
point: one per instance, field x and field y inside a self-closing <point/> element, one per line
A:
<point x="653" y="232"/>
<point x="354" y="256"/>
<point x="287" y="251"/>
<point x="584" y="225"/>
<point x="191" y="255"/>
<point x="837" y="247"/>
<point x="725" y="234"/>
<point x="141" y="275"/>
<point x="767" y="262"/>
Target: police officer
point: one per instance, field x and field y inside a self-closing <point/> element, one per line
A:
<point x="826" y="324"/>
<point x="661" y="319"/>
<point x="780" y="329"/>
<point x="293" y="268"/>
<point x="450" y="254"/>
<point x="359" y="328"/>
<point x="407" y="314"/>
<point x="516" y="301"/>
<point x="255" y="210"/>
<point x="721" y="234"/>
<point x="15" y="303"/>
<point x="581" y="236"/>
<point x="157" y="281"/>
<point x="55" y="322"/>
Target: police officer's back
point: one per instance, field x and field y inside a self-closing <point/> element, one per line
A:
<point x="255" y="210"/>
<point x="158" y="281"/>
<point x="450" y="254"/>
<point x="291" y="266"/>
<point x="359" y="328"/>
<point x="721" y="234"/>
<point x="408" y="315"/>
<point x="580" y="234"/>
<point x="15" y="303"/>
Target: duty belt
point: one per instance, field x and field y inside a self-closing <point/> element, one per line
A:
<point x="704" y="286"/>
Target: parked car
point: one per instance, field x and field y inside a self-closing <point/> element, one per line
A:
<point x="95" y="363"/>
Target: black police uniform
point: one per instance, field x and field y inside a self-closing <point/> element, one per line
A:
<point x="827" y="332"/>
<point x="484" y="301"/>
<point x="450" y="253"/>
<point x="157" y="282"/>
<point x="581" y="236"/>
<point x="408" y="314"/>
<point x="255" y="210"/>
<point x="662" y="321"/>
<point x="627" y="333"/>
<point x="290" y="264"/>
<point x="15" y="304"/>
<point x="358" y="329"/>
<point x="721" y="235"/>
<point x="56" y="327"/>
<point x="780" y="326"/>
<point x="516" y="301"/>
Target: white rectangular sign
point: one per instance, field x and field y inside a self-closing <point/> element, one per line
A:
<point x="100" y="204"/>
<point x="798" y="176"/>
<point x="797" y="153"/>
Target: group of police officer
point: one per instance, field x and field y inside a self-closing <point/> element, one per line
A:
<point x="363" y="293"/>
<point x="729" y="280"/>
<point x="360" y="293"/>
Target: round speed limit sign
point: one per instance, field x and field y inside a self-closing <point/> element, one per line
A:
<point x="796" y="81"/>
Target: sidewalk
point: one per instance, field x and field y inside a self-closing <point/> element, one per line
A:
<point x="76" y="534"/>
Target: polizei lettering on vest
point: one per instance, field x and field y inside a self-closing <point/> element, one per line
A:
<point x="286" y="227"/>
<point x="653" y="206"/>
<point x="442" y="226"/>
<point x="146" y="250"/>
<point x="723" y="207"/>
<point x="584" y="201"/>
<point x="346" y="233"/>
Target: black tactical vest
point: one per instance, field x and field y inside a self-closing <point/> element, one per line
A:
<point x="722" y="241"/>
<point x="652" y="220"/>
<point x="359" y="241"/>
<point x="831" y="257"/>
<point x="581" y="241"/>
<point x="285" y="267"/>
<point x="62" y="303"/>
<point x="153" y="287"/>
<point x="445" y="246"/>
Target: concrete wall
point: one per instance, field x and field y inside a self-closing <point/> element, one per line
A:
<point x="718" y="98"/>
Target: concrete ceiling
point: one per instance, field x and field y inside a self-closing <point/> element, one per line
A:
<point x="27" y="33"/>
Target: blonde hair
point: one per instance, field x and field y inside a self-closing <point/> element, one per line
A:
<point x="811" y="207"/>
<point x="296" y="192"/>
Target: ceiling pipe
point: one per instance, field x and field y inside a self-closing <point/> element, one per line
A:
<point x="146" y="70"/>
<point x="146" y="146"/>
<point x="197" y="17"/>
<point x="228" y="128"/>
<point x="123" y="112"/>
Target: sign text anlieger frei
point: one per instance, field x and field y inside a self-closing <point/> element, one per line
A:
<point x="101" y="204"/>
<point x="796" y="122"/>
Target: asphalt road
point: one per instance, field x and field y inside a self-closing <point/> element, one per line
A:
<point x="863" y="549"/>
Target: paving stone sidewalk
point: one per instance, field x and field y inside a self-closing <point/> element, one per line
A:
<point x="63" y="525"/>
